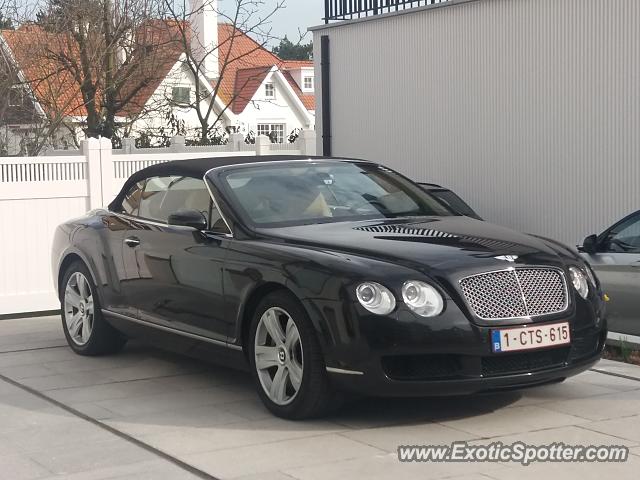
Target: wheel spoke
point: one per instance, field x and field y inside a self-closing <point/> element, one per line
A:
<point x="292" y="335"/>
<point x="73" y="325"/>
<point x="278" y="355"/>
<point x="72" y="297"/>
<point x="278" y="389"/>
<point x="295" y="374"/>
<point x="266" y="357"/>
<point x="83" y="288"/>
<point x="272" y="323"/>
<point x="89" y="304"/>
<point x="86" y="329"/>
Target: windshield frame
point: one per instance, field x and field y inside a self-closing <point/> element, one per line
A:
<point x="217" y="176"/>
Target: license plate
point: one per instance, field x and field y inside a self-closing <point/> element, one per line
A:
<point x="529" y="338"/>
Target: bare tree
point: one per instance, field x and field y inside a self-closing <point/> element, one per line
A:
<point x="108" y="49"/>
<point x="24" y="124"/>
<point x="211" y="59"/>
<point x="96" y="61"/>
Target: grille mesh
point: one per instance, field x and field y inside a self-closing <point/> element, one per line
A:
<point x="522" y="292"/>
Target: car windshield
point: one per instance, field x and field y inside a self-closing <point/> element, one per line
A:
<point x="325" y="192"/>
<point x="455" y="202"/>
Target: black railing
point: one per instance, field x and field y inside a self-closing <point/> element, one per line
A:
<point x="350" y="9"/>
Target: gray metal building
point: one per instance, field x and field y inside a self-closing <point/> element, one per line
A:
<point x="530" y="109"/>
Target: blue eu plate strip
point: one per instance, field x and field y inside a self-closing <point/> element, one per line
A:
<point x="495" y="340"/>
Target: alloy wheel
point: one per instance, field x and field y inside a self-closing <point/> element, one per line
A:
<point x="278" y="356"/>
<point x="78" y="308"/>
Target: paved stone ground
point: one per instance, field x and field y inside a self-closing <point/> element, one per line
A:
<point x="147" y="414"/>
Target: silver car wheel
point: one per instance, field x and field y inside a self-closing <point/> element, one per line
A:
<point x="78" y="308"/>
<point x="278" y="356"/>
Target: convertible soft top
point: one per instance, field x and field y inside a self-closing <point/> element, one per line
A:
<point x="197" y="168"/>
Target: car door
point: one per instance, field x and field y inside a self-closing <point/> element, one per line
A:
<point x="178" y="272"/>
<point x="617" y="264"/>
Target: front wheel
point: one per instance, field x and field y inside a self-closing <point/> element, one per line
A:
<point x="86" y="330"/>
<point x="286" y="360"/>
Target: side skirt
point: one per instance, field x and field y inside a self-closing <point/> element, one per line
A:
<point x="180" y="342"/>
<point x="175" y="331"/>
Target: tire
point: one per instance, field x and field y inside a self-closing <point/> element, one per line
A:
<point x="84" y="326"/>
<point x="301" y="360"/>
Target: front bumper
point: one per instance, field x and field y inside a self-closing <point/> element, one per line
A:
<point x="376" y="382"/>
<point x="450" y="355"/>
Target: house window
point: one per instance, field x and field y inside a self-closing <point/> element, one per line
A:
<point x="270" y="90"/>
<point x="15" y="96"/>
<point x="181" y="95"/>
<point x="307" y="83"/>
<point x="275" y="131"/>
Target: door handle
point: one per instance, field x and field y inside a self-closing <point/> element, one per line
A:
<point x="132" y="241"/>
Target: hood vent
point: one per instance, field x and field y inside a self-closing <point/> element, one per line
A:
<point x="481" y="244"/>
<point x="401" y="230"/>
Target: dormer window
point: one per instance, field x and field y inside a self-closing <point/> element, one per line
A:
<point x="181" y="95"/>
<point x="270" y="90"/>
<point x="15" y="96"/>
<point x="307" y="84"/>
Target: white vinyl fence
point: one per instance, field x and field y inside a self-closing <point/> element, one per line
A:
<point x="39" y="193"/>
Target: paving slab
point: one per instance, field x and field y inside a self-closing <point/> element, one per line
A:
<point x="627" y="428"/>
<point x="282" y="455"/>
<point x="619" y="368"/>
<point x="384" y="467"/>
<point x="148" y="414"/>
<point x="40" y="441"/>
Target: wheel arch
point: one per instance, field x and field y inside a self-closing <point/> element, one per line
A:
<point x="68" y="259"/>
<point x="251" y="303"/>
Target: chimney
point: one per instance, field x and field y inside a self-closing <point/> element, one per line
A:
<point x="204" y="36"/>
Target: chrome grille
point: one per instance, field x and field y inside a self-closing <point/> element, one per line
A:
<point x="516" y="293"/>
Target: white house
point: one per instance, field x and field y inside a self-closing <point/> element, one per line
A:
<point x="257" y="92"/>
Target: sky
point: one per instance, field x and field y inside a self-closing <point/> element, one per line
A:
<point x="297" y="14"/>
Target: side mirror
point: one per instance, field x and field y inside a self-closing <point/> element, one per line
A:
<point x="590" y="245"/>
<point x="188" y="218"/>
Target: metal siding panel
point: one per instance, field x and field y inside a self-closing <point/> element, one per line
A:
<point x="527" y="108"/>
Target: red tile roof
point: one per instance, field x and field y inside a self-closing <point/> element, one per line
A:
<point x="152" y="67"/>
<point x="243" y="63"/>
<point x="247" y="64"/>
<point x="248" y="80"/>
<point x="53" y="85"/>
<point x="308" y="99"/>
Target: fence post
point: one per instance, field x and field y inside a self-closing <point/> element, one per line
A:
<point x="235" y="140"/>
<point x="263" y="145"/>
<point x="106" y="170"/>
<point x="177" y="143"/>
<point x="307" y="142"/>
<point x="128" y="145"/>
<point x="91" y="151"/>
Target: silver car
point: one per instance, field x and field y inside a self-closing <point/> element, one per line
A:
<point x="615" y="256"/>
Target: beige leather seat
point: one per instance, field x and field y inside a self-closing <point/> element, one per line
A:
<point x="198" y="200"/>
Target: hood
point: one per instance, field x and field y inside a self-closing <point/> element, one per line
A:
<point x="445" y="244"/>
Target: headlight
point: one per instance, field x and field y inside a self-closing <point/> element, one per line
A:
<point x="376" y="298"/>
<point x="579" y="281"/>
<point x="422" y="298"/>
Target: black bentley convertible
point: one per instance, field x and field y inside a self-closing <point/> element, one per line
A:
<point x="324" y="275"/>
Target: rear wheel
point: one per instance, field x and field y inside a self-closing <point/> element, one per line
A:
<point x="286" y="360"/>
<point x="85" y="328"/>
